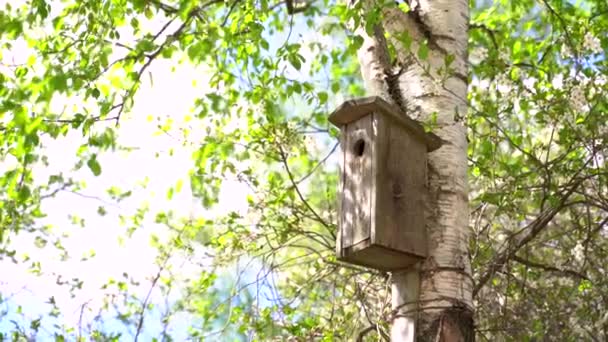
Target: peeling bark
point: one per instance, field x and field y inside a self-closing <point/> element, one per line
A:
<point x="376" y="67"/>
<point x="445" y="307"/>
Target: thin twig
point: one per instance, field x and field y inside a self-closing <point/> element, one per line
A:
<point x="333" y="149"/>
<point x="297" y="189"/>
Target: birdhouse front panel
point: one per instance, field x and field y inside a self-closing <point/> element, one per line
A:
<point x="356" y="196"/>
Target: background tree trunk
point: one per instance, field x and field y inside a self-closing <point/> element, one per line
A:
<point x="419" y="84"/>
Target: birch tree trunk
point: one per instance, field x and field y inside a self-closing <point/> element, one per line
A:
<point x="421" y="88"/>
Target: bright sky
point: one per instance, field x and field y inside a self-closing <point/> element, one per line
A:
<point x="170" y="95"/>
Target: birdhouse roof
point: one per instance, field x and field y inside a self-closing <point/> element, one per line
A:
<point x="355" y="109"/>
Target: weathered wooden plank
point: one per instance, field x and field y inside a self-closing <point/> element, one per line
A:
<point x="356" y="197"/>
<point x="374" y="212"/>
<point x="378" y="257"/>
<point x="354" y="109"/>
<point x="341" y="165"/>
<point x="400" y="185"/>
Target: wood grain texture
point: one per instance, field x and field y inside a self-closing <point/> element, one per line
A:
<point x="341" y="232"/>
<point x="356" y="196"/>
<point x="400" y="189"/>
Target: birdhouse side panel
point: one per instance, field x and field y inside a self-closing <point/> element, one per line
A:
<point x="357" y="180"/>
<point x="399" y="221"/>
<point x="341" y="163"/>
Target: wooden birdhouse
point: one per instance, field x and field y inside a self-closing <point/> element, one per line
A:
<point x="382" y="185"/>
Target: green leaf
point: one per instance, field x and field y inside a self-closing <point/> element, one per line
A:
<point x="93" y="165"/>
<point x="517" y="47"/>
<point x="24" y="193"/>
<point x="335" y="87"/>
<point x="95" y="93"/>
<point x="295" y="62"/>
<point x="322" y="97"/>
<point x="423" y="51"/>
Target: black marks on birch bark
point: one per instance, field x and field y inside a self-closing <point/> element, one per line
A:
<point x="454" y="324"/>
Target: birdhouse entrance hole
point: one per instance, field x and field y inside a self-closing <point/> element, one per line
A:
<point x="359" y="147"/>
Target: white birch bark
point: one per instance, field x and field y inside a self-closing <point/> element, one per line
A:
<point x="445" y="301"/>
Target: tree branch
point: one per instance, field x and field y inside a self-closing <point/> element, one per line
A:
<point x="297" y="189"/>
<point x="521" y="238"/>
<point x="564" y="27"/>
<point x="565" y="272"/>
